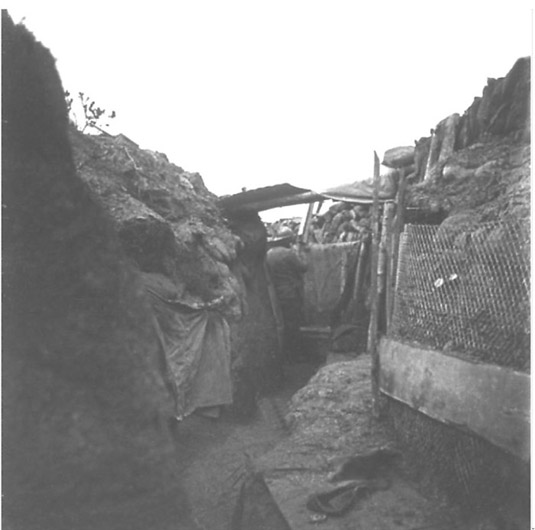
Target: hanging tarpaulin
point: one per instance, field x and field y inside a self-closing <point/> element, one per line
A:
<point x="197" y="347"/>
<point x="325" y="279"/>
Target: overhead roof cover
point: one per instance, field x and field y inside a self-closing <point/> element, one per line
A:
<point x="362" y="192"/>
<point x="285" y="194"/>
<point x="266" y="198"/>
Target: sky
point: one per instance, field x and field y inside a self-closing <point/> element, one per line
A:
<point x="255" y="93"/>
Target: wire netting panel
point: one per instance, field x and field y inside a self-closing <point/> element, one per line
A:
<point x="466" y="291"/>
<point x="468" y="469"/>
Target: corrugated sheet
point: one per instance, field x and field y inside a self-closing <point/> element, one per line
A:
<point x="285" y="194"/>
<point x="265" y="198"/>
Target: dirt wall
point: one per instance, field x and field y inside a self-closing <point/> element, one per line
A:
<point x="85" y="406"/>
<point x="480" y="160"/>
<point x="168" y="223"/>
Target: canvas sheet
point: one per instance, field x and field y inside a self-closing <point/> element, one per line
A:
<point x="325" y="279"/>
<point x="197" y="348"/>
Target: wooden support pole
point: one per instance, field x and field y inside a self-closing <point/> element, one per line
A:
<point x="396" y="234"/>
<point x="374" y="309"/>
<point x="386" y="252"/>
<point x="359" y="274"/>
<point x="275" y="307"/>
<point x="304" y="229"/>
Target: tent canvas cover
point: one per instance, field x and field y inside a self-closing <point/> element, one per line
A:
<point x="196" y="342"/>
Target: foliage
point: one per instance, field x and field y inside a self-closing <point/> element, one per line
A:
<point x="93" y="116"/>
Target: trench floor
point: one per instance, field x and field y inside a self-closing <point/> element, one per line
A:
<point x="216" y="454"/>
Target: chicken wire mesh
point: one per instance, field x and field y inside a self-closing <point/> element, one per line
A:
<point x="468" y="469"/>
<point x="466" y="290"/>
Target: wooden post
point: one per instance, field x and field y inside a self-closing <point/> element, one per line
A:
<point x="277" y="313"/>
<point x="372" y="330"/>
<point x="304" y="229"/>
<point x="396" y="233"/>
<point x="384" y="250"/>
<point x="359" y="274"/>
<point x="387" y="254"/>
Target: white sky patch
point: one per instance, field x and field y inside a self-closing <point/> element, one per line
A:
<point x="253" y="94"/>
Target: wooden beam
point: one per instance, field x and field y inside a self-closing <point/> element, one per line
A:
<point x="374" y="310"/>
<point x="490" y="401"/>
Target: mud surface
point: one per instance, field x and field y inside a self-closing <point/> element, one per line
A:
<point x="331" y="419"/>
<point x="296" y="442"/>
<point x="217" y="453"/>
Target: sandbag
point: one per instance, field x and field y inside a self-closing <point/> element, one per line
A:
<point x="398" y="157"/>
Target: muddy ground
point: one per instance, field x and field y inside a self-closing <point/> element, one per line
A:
<point x="217" y="453"/>
<point x="296" y="439"/>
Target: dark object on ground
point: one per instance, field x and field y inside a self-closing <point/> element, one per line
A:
<point x="338" y="500"/>
<point x="256" y="507"/>
<point x="366" y="466"/>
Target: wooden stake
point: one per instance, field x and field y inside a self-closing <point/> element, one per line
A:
<point x="384" y="250"/>
<point x="372" y="330"/>
<point x="396" y="233"/>
<point x="275" y="307"/>
<point x="386" y="283"/>
<point x="304" y="229"/>
<point x="359" y="274"/>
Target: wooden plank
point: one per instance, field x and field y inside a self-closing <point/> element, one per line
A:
<point x="374" y="310"/>
<point x="482" y="399"/>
